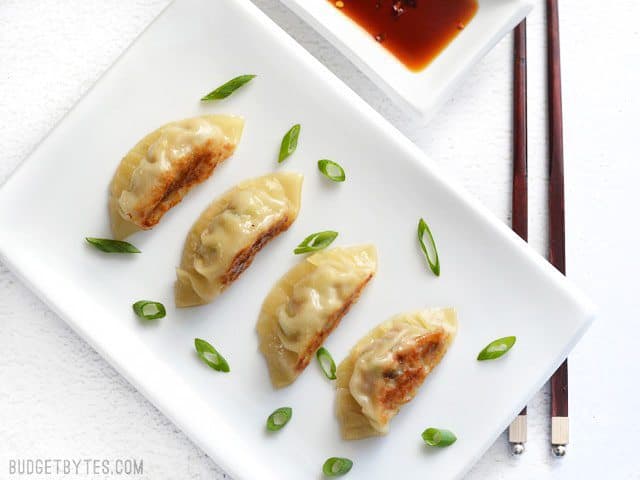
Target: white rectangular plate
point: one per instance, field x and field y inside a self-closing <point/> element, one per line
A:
<point x="418" y="92"/>
<point x="499" y="286"/>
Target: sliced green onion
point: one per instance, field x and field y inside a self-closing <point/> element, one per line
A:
<point x="336" y="466"/>
<point x="316" y="241"/>
<point x="497" y="348"/>
<point x="437" y="437"/>
<point x="289" y="142"/>
<point x="279" y="418"/>
<point x="434" y="264"/>
<point x="112" y="246"/>
<point x="149" y="310"/>
<point x="332" y="170"/>
<point x="223" y="91"/>
<point x="210" y="356"/>
<point x="326" y="362"/>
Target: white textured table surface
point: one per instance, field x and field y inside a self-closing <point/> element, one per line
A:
<point x="59" y="399"/>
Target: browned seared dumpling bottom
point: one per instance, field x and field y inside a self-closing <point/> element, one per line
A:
<point x="307" y="303"/>
<point x="161" y="169"/>
<point x="231" y="231"/>
<point x="386" y="368"/>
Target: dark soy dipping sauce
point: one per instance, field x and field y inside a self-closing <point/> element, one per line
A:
<point x="414" y="31"/>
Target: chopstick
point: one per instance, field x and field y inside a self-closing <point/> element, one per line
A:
<point x="519" y="199"/>
<point x="559" y="380"/>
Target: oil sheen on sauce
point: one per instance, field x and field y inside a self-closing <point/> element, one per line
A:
<point x="414" y="31"/>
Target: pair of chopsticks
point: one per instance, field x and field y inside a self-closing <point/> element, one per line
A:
<point x="560" y="379"/>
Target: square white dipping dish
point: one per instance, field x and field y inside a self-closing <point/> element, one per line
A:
<point x="498" y="285"/>
<point x="420" y="92"/>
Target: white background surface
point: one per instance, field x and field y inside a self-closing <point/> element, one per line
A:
<point x="58" y="398"/>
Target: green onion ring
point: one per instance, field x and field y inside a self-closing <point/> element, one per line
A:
<point x="336" y="466"/>
<point x="332" y="170"/>
<point x="149" y="310"/>
<point x="437" y="437"/>
<point x="112" y="246"/>
<point x="279" y="418"/>
<point x="316" y="241"/>
<point x="434" y="264"/>
<point x="210" y="355"/>
<point x="497" y="348"/>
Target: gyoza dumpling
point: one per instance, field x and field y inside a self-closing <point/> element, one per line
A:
<point x="229" y="233"/>
<point x="386" y="367"/>
<point x="159" y="171"/>
<point x="306" y="305"/>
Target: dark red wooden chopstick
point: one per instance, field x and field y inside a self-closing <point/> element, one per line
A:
<point x="559" y="380"/>
<point x="519" y="197"/>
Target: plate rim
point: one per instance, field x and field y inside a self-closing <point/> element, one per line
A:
<point x="227" y="455"/>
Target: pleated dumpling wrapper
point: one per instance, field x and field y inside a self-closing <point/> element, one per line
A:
<point x="159" y="171"/>
<point x="231" y="231"/>
<point x="386" y="368"/>
<point x="307" y="303"/>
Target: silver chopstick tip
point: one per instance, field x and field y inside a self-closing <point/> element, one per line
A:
<point x="517" y="448"/>
<point x="559" y="450"/>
